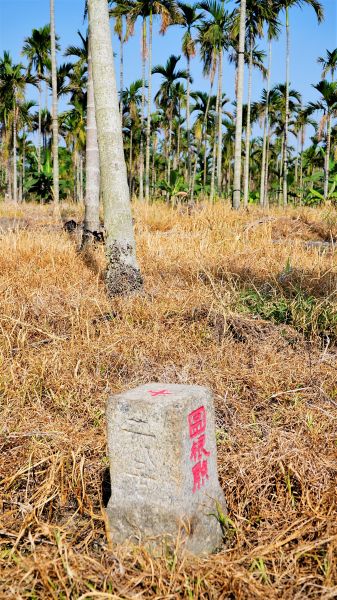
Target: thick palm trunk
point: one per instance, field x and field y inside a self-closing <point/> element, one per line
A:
<point x="149" y="106"/>
<point x="141" y="150"/>
<point x="91" y="215"/>
<point x="286" y="124"/>
<point x="248" y="128"/>
<point x="219" y="158"/>
<point x="54" y="106"/>
<point x="123" y="274"/>
<point x="265" y="131"/>
<point x="238" y="128"/>
<point x="15" y="174"/>
<point x="327" y="157"/>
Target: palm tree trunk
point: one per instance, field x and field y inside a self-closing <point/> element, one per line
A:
<point x="266" y="174"/>
<point x="177" y="155"/>
<point x="265" y="130"/>
<point x="219" y="165"/>
<point x="214" y="155"/>
<point x="149" y="106"/>
<point x="121" y="69"/>
<point x="296" y="159"/>
<point x="238" y="128"/>
<point x="39" y="129"/>
<point x="130" y="158"/>
<point x="301" y="164"/>
<point x="205" y="160"/>
<point x="286" y="124"/>
<point x="281" y="172"/>
<point x="229" y="179"/>
<point x="248" y="129"/>
<point x="202" y="139"/>
<point x="46" y="94"/>
<point x="76" y="176"/>
<point x="327" y="157"/>
<point x="15" y="175"/>
<point x="23" y="168"/>
<point x="91" y="215"/>
<point x="169" y="151"/>
<point x="141" y="151"/>
<point x="188" y="123"/>
<point x="123" y="274"/>
<point x="153" y="165"/>
<point x="54" y="106"/>
<point x="81" y="177"/>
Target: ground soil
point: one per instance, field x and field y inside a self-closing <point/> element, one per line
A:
<point x="64" y="346"/>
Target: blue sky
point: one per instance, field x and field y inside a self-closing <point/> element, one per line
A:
<point x="308" y="41"/>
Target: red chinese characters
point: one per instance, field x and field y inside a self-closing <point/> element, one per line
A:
<point x="199" y="454"/>
<point x="159" y="392"/>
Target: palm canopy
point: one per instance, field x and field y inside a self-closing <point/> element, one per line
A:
<point x="258" y="14"/>
<point x="132" y="98"/>
<point x="213" y="32"/>
<point x="170" y="74"/>
<point x="166" y="9"/>
<point x="329" y="63"/>
<point x="80" y="52"/>
<point x="258" y="57"/>
<point x="13" y="80"/>
<point x="190" y="18"/>
<point x="328" y="101"/>
<point x="315" y="4"/>
<point x="36" y="49"/>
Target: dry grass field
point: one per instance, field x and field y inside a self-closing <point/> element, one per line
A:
<point x="237" y="302"/>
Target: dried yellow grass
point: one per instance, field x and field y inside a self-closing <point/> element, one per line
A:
<point x="64" y="346"/>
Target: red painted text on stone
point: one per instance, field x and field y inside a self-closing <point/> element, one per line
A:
<point x="197" y="421"/>
<point x="198" y="449"/>
<point x="200" y="474"/>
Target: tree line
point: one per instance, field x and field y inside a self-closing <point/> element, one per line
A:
<point x="179" y="142"/>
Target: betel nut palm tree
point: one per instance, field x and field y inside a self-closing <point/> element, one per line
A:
<point x="329" y="63"/>
<point x="285" y="6"/>
<point x="214" y="38"/>
<point x="36" y="49"/>
<point x="54" y="106"/>
<point x="166" y="96"/>
<point x="328" y="104"/>
<point x="13" y="81"/>
<point x="190" y="19"/>
<point x="91" y="223"/>
<point x="123" y="273"/>
<point x="239" y="100"/>
<point x="146" y="10"/>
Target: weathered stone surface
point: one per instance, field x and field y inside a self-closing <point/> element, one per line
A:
<point x="164" y="481"/>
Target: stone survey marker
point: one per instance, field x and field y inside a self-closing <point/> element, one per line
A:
<point x="164" y="481"/>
